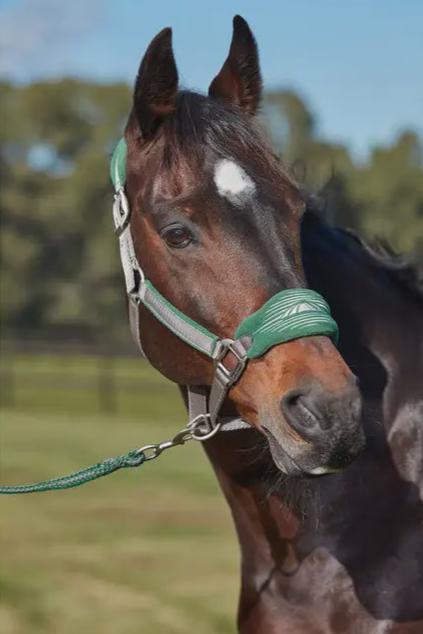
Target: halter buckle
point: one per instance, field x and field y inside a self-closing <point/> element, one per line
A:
<point x="121" y="212"/>
<point x="229" y="376"/>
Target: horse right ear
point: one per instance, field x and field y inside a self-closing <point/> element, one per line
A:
<point x="156" y="85"/>
<point x="239" y="79"/>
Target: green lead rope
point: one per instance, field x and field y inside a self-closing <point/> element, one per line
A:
<point x="133" y="458"/>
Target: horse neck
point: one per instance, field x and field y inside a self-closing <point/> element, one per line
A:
<point x="381" y="317"/>
<point x="377" y="312"/>
<point x="278" y="522"/>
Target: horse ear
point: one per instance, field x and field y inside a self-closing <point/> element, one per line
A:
<point x="239" y="80"/>
<point x="156" y="85"/>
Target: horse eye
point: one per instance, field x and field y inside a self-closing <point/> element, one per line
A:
<point x="176" y="236"/>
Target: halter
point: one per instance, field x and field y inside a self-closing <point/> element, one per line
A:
<point x="290" y="314"/>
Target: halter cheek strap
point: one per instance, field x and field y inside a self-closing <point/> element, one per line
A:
<point x="288" y="315"/>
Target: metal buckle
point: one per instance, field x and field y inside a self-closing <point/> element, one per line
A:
<point x="123" y="212"/>
<point x="229" y="376"/>
<point x="153" y="451"/>
<point x="135" y="298"/>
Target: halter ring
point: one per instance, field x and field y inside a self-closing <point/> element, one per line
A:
<point x="201" y="428"/>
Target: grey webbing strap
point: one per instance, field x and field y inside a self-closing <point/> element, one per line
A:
<point x="234" y="424"/>
<point x="141" y="290"/>
<point x="134" y="325"/>
<point x="218" y="393"/>
<point x="121" y="214"/>
<point x="198" y="406"/>
<point x="178" y="323"/>
<point x="197" y="401"/>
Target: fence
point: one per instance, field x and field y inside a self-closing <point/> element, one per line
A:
<point x="76" y="377"/>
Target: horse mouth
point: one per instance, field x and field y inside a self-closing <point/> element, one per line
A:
<point x="281" y="458"/>
<point x="285" y="463"/>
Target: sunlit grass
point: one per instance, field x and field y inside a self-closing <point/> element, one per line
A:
<point x="143" y="550"/>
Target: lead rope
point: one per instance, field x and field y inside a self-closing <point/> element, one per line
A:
<point x="134" y="458"/>
<point x="109" y="465"/>
<point x="200" y="428"/>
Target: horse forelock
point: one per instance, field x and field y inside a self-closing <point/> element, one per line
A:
<point x="203" y="131"/>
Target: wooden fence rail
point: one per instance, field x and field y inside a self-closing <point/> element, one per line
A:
<point x="76" y="378"/>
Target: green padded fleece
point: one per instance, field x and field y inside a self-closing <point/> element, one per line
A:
<point x="118" y="164"/>
<point x="290" y="314"/>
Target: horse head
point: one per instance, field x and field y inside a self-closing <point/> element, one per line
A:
<point x="215" y="225"/>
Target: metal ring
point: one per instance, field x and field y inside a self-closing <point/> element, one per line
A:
<point x="151" y="452"/>
<point x="195" y="428"/>
<point x="222" y="348"/>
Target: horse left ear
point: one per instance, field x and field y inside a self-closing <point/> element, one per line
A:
<point x="239" y="80"/>
<point x="156" y="85"/>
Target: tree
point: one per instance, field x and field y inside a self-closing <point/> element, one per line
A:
<point x="60" y="267"/>
<point x="382" y="198"/>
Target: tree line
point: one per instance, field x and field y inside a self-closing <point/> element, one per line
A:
<point x="60" y="271"/>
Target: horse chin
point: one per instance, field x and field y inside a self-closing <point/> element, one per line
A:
<point x="280" y="457"/>
<point x="288" y="465"/>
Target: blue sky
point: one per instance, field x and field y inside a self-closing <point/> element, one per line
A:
<point x="358" y="64"/>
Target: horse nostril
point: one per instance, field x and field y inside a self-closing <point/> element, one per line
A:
<point x="312" y="412"/>
<point x="300" y="412"/>
<point x="291" y="399"/>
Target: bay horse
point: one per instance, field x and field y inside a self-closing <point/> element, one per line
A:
<point x="217" y="225"/>
<point x="342" y="553"/>
<point x="209" y="231"/>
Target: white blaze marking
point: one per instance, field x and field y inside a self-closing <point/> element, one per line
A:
<point x="232" y="181"/>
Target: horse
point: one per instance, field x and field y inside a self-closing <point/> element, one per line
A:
<point x="343" y="552"/>
<point x="209" y="228"/>
<point x="220" y="226"/>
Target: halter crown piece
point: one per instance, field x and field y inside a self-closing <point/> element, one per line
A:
<point x="288" y="315"/>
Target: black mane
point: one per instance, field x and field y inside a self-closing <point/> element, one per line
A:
<point x="405" y="274"/>
<point x="397" y="265"/>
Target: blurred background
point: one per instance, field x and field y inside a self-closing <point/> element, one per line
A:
<point x="155" y="550"/>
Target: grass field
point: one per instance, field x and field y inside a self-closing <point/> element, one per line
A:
<point x="149" y="550"/>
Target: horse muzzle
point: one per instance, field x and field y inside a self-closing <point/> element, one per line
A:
<point x="315" y="432"/>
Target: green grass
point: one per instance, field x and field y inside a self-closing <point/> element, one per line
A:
<point x="149" y="550"/>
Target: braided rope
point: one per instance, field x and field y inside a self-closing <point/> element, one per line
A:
<point x="133" y="458"/>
